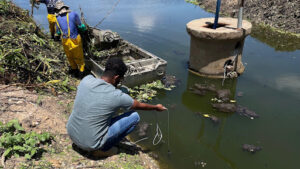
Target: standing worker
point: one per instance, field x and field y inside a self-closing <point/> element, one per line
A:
<point x="91" y="125"/>
<point x="50" y="4"/>
<point x="68" y="24"/>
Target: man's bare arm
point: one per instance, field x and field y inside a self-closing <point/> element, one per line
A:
<point x="144" y="106"/>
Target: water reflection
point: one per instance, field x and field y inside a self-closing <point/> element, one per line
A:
<point x="290" y="82"/>
<point x="144" y="21"/>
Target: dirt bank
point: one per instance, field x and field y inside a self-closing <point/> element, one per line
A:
<point x="281" y="14"/>
<point x="36" y="89"/>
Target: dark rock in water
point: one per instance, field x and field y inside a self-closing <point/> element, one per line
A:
<point x="154" y="155"/>
<point x="198" y="92"/>
<point x="210" y="87"/>
<point x="225" y="107"/>
<point x="240" y="94"/>
<point x="169" y="81"/>
<point x="143" y="127"/>
<point x="244" y="111"/>
<point x="251" y="148"/>
<point x="224" y="94"/>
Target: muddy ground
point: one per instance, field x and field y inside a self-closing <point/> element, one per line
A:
<point x="47" y="113"/>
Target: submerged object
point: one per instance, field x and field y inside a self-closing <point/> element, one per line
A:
<point x="143" y="127"/>
<point x="206" y="87"/>
<point x="224" y="95"/>
<point x="214" y="119"/>
<point x="251" y="148"/>
<point x="244" y="111"/>
<point x="143" y="66"/>
<point x="225" y="107"/>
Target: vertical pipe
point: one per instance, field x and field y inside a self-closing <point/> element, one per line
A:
<point x="217" y="14"/>
<point x="240" y="15"/>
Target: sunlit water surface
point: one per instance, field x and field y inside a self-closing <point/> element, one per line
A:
<point x="271" y="87"/>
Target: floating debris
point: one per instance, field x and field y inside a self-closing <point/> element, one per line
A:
<point x="216" y="100"/>
<point x="146" y="92"/>
<point x="251" y="148"/>
<point x="223" y="95"/>
<point x="214" y="119"/>
<point x="244" y="111"/>
<point x="170" y="81"/>
<point x="225" y="107"/>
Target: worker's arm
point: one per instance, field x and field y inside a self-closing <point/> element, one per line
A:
<point x="80" y="25"/>
<point x="144" y="106"/>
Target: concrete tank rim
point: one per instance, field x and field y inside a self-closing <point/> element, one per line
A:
<point x="199" y="29"/>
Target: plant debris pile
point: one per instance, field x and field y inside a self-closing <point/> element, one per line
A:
<point x="16" y="142"/>
<point x="26" y="54"/>
<point x="121" y="51"/>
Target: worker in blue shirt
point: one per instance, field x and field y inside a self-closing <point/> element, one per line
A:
<point x="68" y="24"/>
<point x="50" y="4"/>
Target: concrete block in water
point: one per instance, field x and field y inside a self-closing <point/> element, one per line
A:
<point x="211" y="48"/>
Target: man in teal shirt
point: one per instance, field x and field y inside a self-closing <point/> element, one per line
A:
<point x="91" y="125"/>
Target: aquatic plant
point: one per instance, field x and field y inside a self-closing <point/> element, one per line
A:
<point x="146" y="92"/>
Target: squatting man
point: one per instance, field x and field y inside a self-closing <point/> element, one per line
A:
<point x="91" y="125"/>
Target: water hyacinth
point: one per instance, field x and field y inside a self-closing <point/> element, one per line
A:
<point x="146" y="92"/>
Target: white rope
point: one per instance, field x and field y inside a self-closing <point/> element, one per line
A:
<point x="224" y="75"/>
<point x="158" y="135"/>
<point x="140" y="140"/>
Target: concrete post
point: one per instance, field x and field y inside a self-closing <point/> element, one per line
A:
<point x="211" y="48"/>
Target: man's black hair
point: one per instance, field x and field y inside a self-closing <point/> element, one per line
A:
<point x="115" y="66"/>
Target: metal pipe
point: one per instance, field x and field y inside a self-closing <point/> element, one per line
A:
<point x="217" y="14"/>
<point x="240" y="15"/>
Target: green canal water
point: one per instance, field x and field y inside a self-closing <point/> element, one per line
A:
<point x="270" y="86"/>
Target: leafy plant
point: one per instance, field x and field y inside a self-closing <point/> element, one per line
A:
<point x="146" y="92"/>
<point x="18" y="143"/>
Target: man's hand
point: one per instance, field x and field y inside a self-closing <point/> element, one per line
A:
<point x="160" y="107"/>
<point x="144" y="106"/>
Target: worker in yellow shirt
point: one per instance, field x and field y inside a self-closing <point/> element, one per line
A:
<point x="68" y="24"/>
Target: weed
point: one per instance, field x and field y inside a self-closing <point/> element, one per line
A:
<point x="17" y="142"/>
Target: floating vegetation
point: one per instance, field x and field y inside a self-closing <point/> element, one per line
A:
<point x="27" y="55"/>
<point x="146" y="92"/>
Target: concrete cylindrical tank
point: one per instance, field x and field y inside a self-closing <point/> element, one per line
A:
<point x="211" y="48"/>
